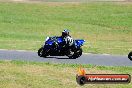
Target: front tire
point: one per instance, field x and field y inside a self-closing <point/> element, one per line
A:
<point x="130" y="55"/>
<point x="75" y="54"/>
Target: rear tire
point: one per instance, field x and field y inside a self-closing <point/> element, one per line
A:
<point x="130" y="55"/>
<point x="41" y="52"/>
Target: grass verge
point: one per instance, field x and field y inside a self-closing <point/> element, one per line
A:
<point x="22" y="74"/>
<point x="106" y="27"/>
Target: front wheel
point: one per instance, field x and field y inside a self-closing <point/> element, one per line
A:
<point x="75" y="54"/>
<point x="130" y="55"/>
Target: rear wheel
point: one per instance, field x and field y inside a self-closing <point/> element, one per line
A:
<point x="130" y="55"/>
<point x="41" y="52"/>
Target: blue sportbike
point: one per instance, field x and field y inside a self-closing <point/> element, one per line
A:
<point x="55" y="46"/>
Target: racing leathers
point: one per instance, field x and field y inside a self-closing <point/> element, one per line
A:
<point x="68" y="41"/>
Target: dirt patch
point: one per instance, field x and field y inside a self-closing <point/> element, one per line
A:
<point x="19" y="0"/>
<point x="73" y="2"/>
<point x="52" y="3"/>
<point x="69" y="1"/>
<point x="61" y="3"/>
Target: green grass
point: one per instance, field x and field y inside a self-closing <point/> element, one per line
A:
<point x="21" y="74"/>
<point x="106" y="27"/>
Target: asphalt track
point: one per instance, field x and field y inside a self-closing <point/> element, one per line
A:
<point x="96" y="59"/>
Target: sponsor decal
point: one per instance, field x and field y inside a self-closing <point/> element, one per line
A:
<point x="83" y="78"/>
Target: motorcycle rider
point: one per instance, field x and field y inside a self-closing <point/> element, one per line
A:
<point x="67" y="38"/>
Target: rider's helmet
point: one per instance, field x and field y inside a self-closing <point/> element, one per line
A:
<point x="65" y="33"/>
